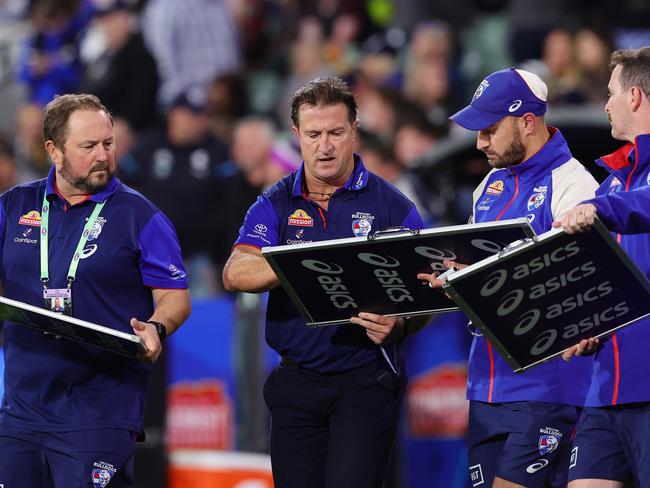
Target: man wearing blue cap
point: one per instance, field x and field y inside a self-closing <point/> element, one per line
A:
<point x="520" y="425"/>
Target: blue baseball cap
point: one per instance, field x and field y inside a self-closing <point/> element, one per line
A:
<point x="507" y="92"/>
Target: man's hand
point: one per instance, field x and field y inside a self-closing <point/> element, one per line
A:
<point x="149" y="336"/>
<point x="432" y="279"/>
<point x="578" y="219"/>
<point x="584" y="348"/>
<point x="380" y="329"/>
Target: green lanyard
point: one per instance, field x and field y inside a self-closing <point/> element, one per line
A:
<point x="72" y="271"/>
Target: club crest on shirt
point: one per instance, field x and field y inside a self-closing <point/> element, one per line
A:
<point x="102" y="473"/>
<point x="33" y="218"/>
<point x="537" y="198"/>
<point x="362" y="223"/>
<point x="301" y="219"/>
<point x="549" y="440"/>
<point x="615" y="185"/>
<point x="97" y="228"/>
<point x="495" y="188"/>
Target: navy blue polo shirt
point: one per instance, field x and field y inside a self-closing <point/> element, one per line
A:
<point x="284" y="215"/>
<point x="59" y="385"/>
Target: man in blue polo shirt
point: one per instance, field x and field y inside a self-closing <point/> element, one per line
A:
<point x="71" y="412"/>
<point x="335" y="398"/>
<point x="520" y="425"/>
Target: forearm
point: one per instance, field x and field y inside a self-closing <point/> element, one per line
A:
<point x="247" y="270"/>
<point x="172" y="308"/>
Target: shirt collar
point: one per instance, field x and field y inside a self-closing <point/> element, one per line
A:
<point x="51" y="193"/>
<point x="357" y="180"/>
<point x="628" y="155"/>
<point x="552" y="154"/>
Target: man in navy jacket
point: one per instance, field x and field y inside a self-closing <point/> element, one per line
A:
<point x="520" y="425"/>
<point x="612" y="444"/>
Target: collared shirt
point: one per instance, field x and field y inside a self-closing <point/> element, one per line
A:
<point x="623" y="204"/>
<point x="55" y="384"/>
<point x="541" y="188"/>
<point x="284" y="215"/>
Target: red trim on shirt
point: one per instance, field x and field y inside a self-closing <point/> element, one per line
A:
<point x="617" y="369"/>
<point x="322" y="216"/>
<point x="512" y="199"/>
<point x="67" y="205"/>
<point x="489" y="346"/>
<point x="617" y="355"/>
<point x="491" y="354"/>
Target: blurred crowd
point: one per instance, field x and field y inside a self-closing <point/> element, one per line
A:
<point x="199" y="89"/>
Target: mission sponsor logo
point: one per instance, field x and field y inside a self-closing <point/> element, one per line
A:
<point x="33" y="218"/>
<point x="495" y="188"/>
<point x="301" y="218"/>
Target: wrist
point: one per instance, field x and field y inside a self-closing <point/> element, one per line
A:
<point x="160" y="329"/>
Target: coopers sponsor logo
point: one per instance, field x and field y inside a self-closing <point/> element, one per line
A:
<point x="33" y="218"/>
<point x="436" y="402"/>
<point x="301" y="219"/>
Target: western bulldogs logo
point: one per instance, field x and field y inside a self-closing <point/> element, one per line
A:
<point x="481" y="88"/>
<point x="102" y="474"/>
<point x="547" y="444"/>
<point x="537" y="198"/>
<point x="549" y="440"/>
<point x="361" y="227"/>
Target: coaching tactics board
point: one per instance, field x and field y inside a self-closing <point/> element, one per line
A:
<point x="70" y="327"/>
<point x="543" y="296"/>
<point x="331" y="281"/>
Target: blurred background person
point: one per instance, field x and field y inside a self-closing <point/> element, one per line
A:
<point x="181" y="168"/>
<point x="193" y="42"/>
<point x="124" y="76"/>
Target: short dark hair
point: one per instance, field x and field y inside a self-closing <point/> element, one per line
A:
<point x="59" y="110"/>
<point x="324" y="91"/>
<point x="635" y="65"/>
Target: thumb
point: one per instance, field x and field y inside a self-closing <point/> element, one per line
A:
<point x="135" y="323"/>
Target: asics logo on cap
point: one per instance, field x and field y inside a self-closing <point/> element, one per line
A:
<point x="515" y="106"/>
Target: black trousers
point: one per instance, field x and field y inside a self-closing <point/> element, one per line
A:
<point x="332" y="430"/>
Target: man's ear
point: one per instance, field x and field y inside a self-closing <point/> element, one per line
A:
<point x="529" y="122"/>
<point x="55" y="154"/>
<point x="635" y="98"/>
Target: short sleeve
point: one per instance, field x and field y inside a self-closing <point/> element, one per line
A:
<point x="413" y="220"/>
<point x="161" y="264"/>
<point x="261" y="225"/>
